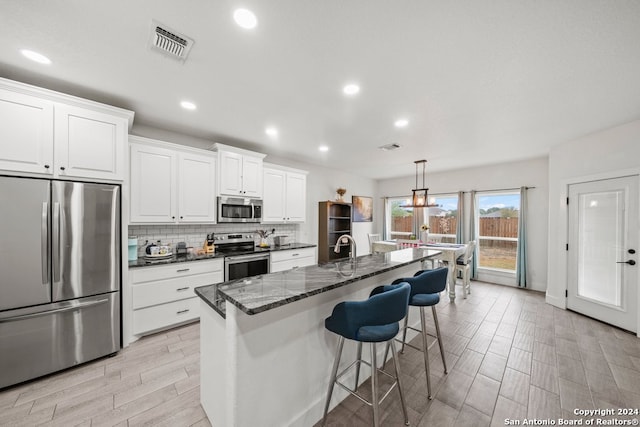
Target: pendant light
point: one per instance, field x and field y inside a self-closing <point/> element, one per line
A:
<point x="420" y="198"/>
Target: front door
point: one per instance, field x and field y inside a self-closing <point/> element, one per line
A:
<point x="603" y="245"/>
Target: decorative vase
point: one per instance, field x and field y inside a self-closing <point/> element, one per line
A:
<point x="341" y="192"/>
<point x="263" y="242"/>
<point x="424" y="238"/>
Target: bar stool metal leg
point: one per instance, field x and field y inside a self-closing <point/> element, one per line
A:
<point x="355" y="387"/>
<point x="435" y="320"/>
<point x="404" y="332"/>
<point x="396" y="364"/>
<point x="425" y="350"/>
<point x="374" y="386"/>
<point x="334" y="373"/>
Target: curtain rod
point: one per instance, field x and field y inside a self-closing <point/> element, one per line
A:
<point x="456" y="192"/>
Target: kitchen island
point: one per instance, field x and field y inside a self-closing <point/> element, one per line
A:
<point x="265" y="354"/>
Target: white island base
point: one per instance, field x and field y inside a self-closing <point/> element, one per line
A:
<point x="273" y="368"/>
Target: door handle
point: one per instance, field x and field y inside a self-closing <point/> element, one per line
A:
<point x="44" y="242"/>
<point x="630" y="262"/>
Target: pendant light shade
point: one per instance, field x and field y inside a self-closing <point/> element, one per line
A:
<point x="420" y="197"/>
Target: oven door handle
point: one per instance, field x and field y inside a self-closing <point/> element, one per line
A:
<point x="245" y="258"/>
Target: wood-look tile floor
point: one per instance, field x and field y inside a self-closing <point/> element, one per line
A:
<point x="509" y="355"/>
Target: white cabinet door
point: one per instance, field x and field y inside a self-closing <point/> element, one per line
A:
<point x="26" y="133"/>
<point x="153" y="184"/>
<point x="273" y="203"/>
<point x="251" y="176"/>
<point x="196" y="188"/>
<point x="230" y="173"/>
<point x="89" y="144"/>
<point x="296" y="197"/>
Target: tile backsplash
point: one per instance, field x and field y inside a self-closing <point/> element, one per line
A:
<point x="195" y="234"/>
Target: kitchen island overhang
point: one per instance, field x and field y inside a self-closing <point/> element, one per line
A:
<point x="265" y="354"/>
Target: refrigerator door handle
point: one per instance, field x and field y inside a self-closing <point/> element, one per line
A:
<point x="55" y="310"/>
<point x="44" y="242"/>
<point x="56" y="242"/>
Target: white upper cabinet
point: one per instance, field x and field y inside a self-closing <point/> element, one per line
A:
<point x="61" y="136"/>
<point x="285" y="193"/>
<point x="239" y="172"/>
<point x="153" y="184"/>
<point x="170" y="184"/>
<point x="89" y="144"/>
<point x="196" y="188"/>
<point x="26" y="133"/>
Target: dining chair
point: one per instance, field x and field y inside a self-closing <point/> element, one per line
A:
<point x="373" y="238"/>
<point x="463" y="266"/>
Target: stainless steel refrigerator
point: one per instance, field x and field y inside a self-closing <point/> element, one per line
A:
<point x="60" y="274"/>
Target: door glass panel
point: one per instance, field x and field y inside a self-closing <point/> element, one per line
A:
<point x="600" y="241"/>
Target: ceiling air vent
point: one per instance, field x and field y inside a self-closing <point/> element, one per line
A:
<point x="389" y="147"/>
<point x="169" y="42"/>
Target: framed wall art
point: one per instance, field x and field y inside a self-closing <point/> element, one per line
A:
<point x="362" y="208"/>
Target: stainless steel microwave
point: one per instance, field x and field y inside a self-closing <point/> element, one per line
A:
<point x="239" y="209"/>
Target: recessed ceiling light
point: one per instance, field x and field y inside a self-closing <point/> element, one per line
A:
<point x="400" y="123"/>
<point x="351" y="89"/>
<point x="271" y="131"/>
<point x="35" y="56"/>
<point x="323" y="148"/>
<point x="245" y="18"/>
<point x="187" y="105"/>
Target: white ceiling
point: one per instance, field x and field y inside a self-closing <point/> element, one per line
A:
<point x="481" y="81"/>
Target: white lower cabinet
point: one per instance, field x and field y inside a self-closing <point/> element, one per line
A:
<point x="294" y="258"/>
<point x="163" y="296"/>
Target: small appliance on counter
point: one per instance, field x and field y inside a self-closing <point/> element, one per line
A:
<point x="133" y="248"/>
<point x="209" y="244"/>
<point x="181" y="249"/>
<point x="280" y="240"/>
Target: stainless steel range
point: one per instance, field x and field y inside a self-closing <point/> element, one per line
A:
<point x="241" y="257"/>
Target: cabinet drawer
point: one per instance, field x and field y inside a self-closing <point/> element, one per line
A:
<point x="291" y="263"/>
<point x="153" y="293"/>
<point x="277" y="256"/>
<point x="161" y="316"/>
<point x="181" y="269"/>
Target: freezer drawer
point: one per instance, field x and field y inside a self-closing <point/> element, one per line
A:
<point x="36" y="341"/>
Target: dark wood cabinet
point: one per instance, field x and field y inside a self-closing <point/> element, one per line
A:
<point x="334" y="220"/>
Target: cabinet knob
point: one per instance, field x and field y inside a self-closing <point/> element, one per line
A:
<point x="173" y="217"/>
<point x="181" y="216"/>
<point x="62" y="168"/>
<point x="46" y="166"/>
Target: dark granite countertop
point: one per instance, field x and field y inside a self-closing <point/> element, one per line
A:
<point x="261" y="293"/>
<point x="143" y="262"/>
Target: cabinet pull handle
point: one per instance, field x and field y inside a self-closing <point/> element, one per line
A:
<point x="182" y="311"/>
<point x="295" y="254"/>
<point x="62" y="168"/>
<point x="182" y="270"/>
<point x="182" y="289"/>
<point x="46" y="166"/>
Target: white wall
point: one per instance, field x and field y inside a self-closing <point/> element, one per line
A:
<point x="531" y="173"/>
<point x="600" y="154"/>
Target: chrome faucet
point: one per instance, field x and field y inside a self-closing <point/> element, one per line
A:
<point x="343" y="239"/>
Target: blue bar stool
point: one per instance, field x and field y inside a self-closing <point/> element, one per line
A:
<point x="426" y="286"/>
<point x="372" y="320"/>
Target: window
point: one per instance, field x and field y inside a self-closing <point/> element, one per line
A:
<point x="443" y="219"/>
<point x="399" y="220"/>
<point x="497" y="231"/>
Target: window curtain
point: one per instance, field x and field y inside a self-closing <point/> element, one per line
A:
<point x="472" y="235"/>
<point x="385" y="201"/>
<point x="521" y="257"/>
<point x="460" y="218"/>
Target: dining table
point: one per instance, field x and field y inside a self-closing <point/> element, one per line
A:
<point x="449" y="253"/>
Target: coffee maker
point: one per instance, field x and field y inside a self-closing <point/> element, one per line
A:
<point x="209" y="246"/>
